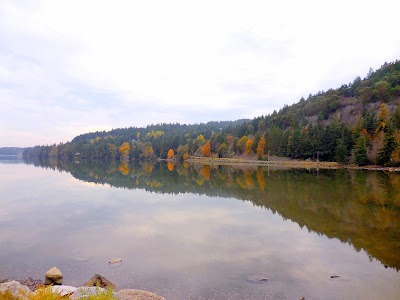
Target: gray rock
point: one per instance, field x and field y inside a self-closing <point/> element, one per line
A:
<point x="63" y="290"/>
<point x="85" y="291"/>
<point x="129" y="294"/>
<point x="32" y="284"/>
<point x="99" y="281"/>
<point x="15" y="288"/>
<point x="54" y="276"/>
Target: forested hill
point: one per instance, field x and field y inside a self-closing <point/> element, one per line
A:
<point x="133" y="133"/>
<point x="358" y="122"/>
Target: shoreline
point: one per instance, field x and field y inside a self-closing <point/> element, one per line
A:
<point x="302" y="164"/>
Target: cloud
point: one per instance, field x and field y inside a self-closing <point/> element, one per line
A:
<point x="67" y="67"/>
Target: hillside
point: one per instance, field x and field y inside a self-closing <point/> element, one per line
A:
<point x="358" y="122"/>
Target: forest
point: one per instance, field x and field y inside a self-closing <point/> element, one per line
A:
<point x="357" y="123"/>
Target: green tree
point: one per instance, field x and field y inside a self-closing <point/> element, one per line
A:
<point x="341" y="151"/>
<point x="382" y="90"/>
<point x="389" y="146"/>
<point x="360" y="151"/>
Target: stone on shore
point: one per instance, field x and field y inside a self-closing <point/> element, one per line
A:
<point x="15" y="288"/>
<point x="85" y="291"/>
<point x="129" y="294"/>
<point x="63" y="290"/>
<point x="54" y="276"/>
<point x="100" y="281"/>
<point x="32" y="284"/>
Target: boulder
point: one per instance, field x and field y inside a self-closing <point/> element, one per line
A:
<point x="128" y="294"/>
<point x="85" y="291"/>
<point x="15" y="288"/>
<point x="54" y="276"/>
<point x="100" y="281"/>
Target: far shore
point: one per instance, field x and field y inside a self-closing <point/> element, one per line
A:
<point x="304" y="164"/>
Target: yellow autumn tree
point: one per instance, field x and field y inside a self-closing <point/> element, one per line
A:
<point x="170" y="154"/>
<point x="261" y="147"/>
<point x="382" y="118"/>
<point x="124" y="150"/>
<point x="206" y="149"/>
<point x="241" y="144"/>
<point x="148" y="152"/>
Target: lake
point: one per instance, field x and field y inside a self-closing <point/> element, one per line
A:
<point x="204" y="232"/>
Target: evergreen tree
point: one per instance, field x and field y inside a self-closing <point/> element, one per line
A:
<point x="360" y="151"/>
<point x="389" y="145"/>
<point x="341" y="151"/>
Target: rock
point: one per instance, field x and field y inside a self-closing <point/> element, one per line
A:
<point x="15" y="288"/>
<point x="32" y="284"/>
<point x="4" y="280"/>
<point x="256" y="278"/>
<point x="63" y="290"/>
<point x="128" y="294"/>
<point x="54" y="276"/>
<point x="85" y="291"/>
<point x="263" y="279"/>
<point x="115" y="260"/>
<point x="100" y="281"/>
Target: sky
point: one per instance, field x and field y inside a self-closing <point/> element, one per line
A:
<point x="71" y="67"/>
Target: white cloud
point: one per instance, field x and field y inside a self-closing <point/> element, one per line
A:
<point x="76" y="65"/>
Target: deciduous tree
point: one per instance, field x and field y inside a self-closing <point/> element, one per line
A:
<point x="206" y="149"/>
<point x="261" y="147"/>
<point x="171" y="153"/>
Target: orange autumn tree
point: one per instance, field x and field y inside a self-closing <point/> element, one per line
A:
<point x="206" y="149"/>
<point x="261" y="147"/>
<point x="249" y="144"/>
<point x="170" y="154"/>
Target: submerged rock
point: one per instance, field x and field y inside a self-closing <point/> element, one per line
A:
<point x="115" y="260"/>
<point x="15" y="288"/>
<point x="99" y="281"/>
<point x="129" y="294"/>
<point x="54" y="276"/>
<point x="256" y="278"/>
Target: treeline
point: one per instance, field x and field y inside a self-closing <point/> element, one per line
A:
<point x="356" y="123"/>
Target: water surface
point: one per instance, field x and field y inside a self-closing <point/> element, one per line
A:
<point x="201" y="232"/>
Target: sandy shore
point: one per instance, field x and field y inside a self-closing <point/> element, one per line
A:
<point x="284" y="164"/>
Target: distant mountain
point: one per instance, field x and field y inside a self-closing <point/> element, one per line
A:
<point x="11" y="151"/>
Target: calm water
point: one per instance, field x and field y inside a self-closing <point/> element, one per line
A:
<point x="195" y="232"/>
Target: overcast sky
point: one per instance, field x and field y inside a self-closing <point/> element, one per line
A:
<point x="70" y="67"/>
